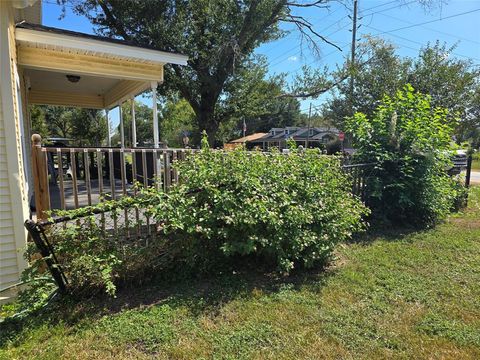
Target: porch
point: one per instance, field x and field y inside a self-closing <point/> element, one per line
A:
<point x="67" y="68"/>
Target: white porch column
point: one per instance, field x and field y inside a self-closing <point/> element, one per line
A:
<point x="109" y="138"/>
<point x="156" y="140"/>
<point x="122" y="132"/>
<point x="134" y="125"/>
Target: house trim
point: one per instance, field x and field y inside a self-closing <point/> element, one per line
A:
<point x="96" y="46"/>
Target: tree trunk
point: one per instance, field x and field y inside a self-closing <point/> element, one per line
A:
<point x="206" y="121"/>
<point x="206" y="114"/>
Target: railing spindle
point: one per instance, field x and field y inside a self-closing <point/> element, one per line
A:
<point x="88" y="185"/>
<point x="145" y="184"/>
<point x="100" y="185"/>
<point x="134" y="180"/>
<point x="73" y="162"/>
<point x="124" y="188"/>
<point x="60" y="176"/>
<point x="112" y="185"/>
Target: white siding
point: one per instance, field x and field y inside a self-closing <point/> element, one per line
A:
<point x="13" y="198"/>
<point x="8" y="255"/>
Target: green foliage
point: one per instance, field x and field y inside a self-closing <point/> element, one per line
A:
<point x="411" y="141"/>
<point x="84" y="126"/>
<point x="218" y="36"/>
<point x="476" y="161"/>
<point x="177" y="119"/>
<point x="400" y="294"/>
<point x="254" y="97"/>
<point x="290" y="210"/>
<point x="452" y="83"/>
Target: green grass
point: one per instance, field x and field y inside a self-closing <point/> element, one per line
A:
<point x="476" y="164"/>
<point x="399" y="295"/>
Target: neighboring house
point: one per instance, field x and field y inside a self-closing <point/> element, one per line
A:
<point x="304" y="136"/>
<point x="43" y="65"/>
<point x="246" y="140"/>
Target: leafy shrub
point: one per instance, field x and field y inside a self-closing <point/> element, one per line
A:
<point x="285" y="209"/>
<point x="411" y="141"/>
<point x="289" y="209"/>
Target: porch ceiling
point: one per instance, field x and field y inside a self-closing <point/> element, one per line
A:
<point x="95" y="92"/>
<point x="110" y="70"/>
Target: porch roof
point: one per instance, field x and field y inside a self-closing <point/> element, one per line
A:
<point x="109" y="70"/>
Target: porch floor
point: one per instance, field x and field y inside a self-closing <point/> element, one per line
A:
<point x="55" y="200"/>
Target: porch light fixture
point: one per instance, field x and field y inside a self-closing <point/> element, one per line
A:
<point x="73" y="78"/>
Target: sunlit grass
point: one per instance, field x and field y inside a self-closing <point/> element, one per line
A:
<point x="404" y="294"/>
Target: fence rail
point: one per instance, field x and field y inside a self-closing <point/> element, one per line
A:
<point x="73" y="177"/>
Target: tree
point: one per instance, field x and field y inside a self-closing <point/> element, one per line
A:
<point x="178" y="121"/>
<point x="89" y="126"/>
<point x="217" y="35"/>
<point x="253" y="97"/>
<point x="83" y="126"/>
<point x="452" y="83"/>
<point x="380" y="71"/>
<point x="410" y="141"/>
<point x="39" y="124"/>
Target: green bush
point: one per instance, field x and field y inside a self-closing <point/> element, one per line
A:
<point x="411" y="142"/>
<point x="288" y="209"/>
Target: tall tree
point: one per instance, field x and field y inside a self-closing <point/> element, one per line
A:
<point x="452" y="83"/>
<point x="254" y="98"/>
<point x="178" y="121"/>
<point x="379" y="71"/>
<point x="217" y="35"/>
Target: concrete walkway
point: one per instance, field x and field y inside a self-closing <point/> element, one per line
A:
<point x="475" y="177"/>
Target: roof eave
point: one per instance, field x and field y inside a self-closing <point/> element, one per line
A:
<point x="120" y="50"/>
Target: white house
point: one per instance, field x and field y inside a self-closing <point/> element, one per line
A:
<point x="39" y="65"/>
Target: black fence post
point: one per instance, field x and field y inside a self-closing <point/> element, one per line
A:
<point x="469" y="171"/>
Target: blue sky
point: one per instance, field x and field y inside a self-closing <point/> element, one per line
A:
<point x="456" y="22"/>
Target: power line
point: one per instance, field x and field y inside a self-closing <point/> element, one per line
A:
<point x="373" y="13"/>
<point x="429" y="22"/>
<point x="297" y="46"/>
<point x="438" y="31"/>
<point x="388" y="9"/>
<point x="377" y="6"/>
<point x="417" y="42"/>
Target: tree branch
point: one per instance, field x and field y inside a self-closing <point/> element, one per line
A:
<point x="316" y="92"/>
<point x="315" y="3"/>
<point x="301" y="24"/>
<point x="114" y="21"/>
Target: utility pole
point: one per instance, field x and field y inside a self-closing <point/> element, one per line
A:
<point x="354" y="44"/>
<point x="308" y="132"/>
<point x="244" y="127"/>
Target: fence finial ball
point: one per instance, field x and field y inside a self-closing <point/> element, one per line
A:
<point x="36" y="139"/>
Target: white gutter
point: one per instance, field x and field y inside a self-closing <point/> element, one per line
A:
<point x="21" y="4"/>
<point x="30" y="36"/>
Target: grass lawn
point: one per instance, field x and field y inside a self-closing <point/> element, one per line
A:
<point x="400" y="295"/>
<point x="476" y="164"/>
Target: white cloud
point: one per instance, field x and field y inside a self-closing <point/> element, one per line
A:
<point x="293" y="58"/>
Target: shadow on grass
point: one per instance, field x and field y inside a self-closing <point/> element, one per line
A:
<point x="386" y="232"/>
<point x="198" y="294"/>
